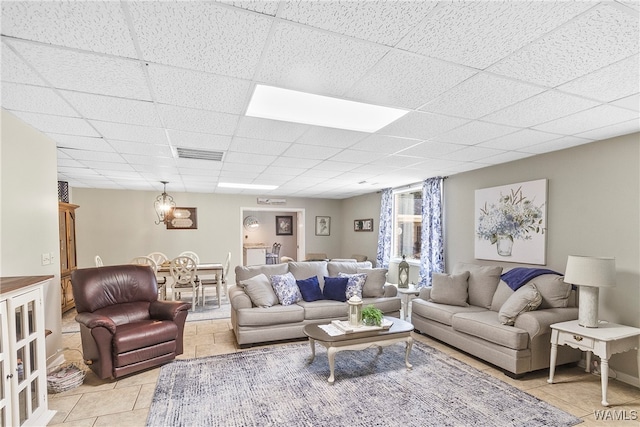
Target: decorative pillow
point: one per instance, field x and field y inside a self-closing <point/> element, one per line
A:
<point x="483" y="281"/>
<point x="260" y="291"/>
<point x="349" y="267"/>
<point x="305" y="269"/>
<point x="450" y="289"/>
<point x="286" y="288"/>
<point x="355" y="284"/>
<point x="310" y="289"/>
<point x="555" y="292"/>
<point x="526" y="298"/>
<point x="376" y="278"/>
<point x="335" y="288"/>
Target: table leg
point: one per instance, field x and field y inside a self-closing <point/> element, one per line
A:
<point x="312" y="343"/>
<point x="604" y="379"/>
<point x="588" y="362"/>
<point x="554" y="355"/>
<point x="407" y="351"/>
<point x="331" y="354"/>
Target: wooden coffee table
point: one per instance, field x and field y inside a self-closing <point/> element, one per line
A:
<point x="400" y="331"/>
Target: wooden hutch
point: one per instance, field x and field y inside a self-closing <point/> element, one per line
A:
<point x="68" y="263"/>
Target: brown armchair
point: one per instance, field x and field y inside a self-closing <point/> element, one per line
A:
<point x="123" y="326"/>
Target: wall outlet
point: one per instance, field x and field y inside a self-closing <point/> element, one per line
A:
<point x="46" y="259"/>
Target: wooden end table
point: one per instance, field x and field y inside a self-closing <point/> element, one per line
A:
<point x="603" y="341"/>
<point x="400" y="331"/>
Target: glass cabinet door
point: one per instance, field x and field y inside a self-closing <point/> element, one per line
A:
<point x="5" y="381"/>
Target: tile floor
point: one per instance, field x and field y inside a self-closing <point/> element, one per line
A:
<point x="126" y="402"/>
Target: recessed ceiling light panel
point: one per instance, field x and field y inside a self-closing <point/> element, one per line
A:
<point x="270" y="102"/>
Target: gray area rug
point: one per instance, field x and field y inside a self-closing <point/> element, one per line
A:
<point x="278" y="387"/>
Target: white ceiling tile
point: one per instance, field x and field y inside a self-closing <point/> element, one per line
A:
<point x="111" y="109"/>
<point x="519" y="139"/>
<point x="81" y="142"/>
<point x="156" y="173"/>
<point x="240" y="170"/>
<point x="420" y="125"/>
<point x="609" y="83"/>
<point x="34" y="99"/>
<point x="253" y="127"/>
<point x="330" y="165"/>
<point x="99" y="156"/>
<point x="258" y="146"/>
<point x="86" y="72"/>
<point x="397" y="161"/>
<point x="272" y="179"/>
<point x="296" y="162"/>
<point x="249" y="159"/>
<point x="480" y="95"/>
<point x="384" y="144"/>
<point x="16" y="70"/>
<point x="82" y="172"/>
<point x="475" y="132"/>
<point x="130" y="147"/>
<point x="541" y="108"/>
<point x="605" y="132"/>
<point x="406" y="80"/>
<point x="57" y="124"/>
<point x="198" y="165"/>
<point x="198" y="90"/>
<point x="265" y="7"/>
<point x="284" y="170"/>
<point x="190" y="119"/>
<point x="157" y="162"/>
<point x="331" y="137"/>
<point x="315" y="152"/>
<point x="98" y="26"/>
<point x="104" y="168"/>
<point x="70" y="163"/>
<point x="556" y="144"/>
<point x="204" y="141"/>
<point x="593" y="40"/>
<point x="127" y="132"/>
<point x="204" y="36"/>
<point x="357" y="156"/>
<point x="315" y="61"/>
<point x="631" y="102"/>
<point x="431" y="149"/>
<point x="507" y="156"/>
<point x="479" y="33"/>
<point x="603" y="115"/>
<point x="316" y="174"/>
<point x="472" y="153"/>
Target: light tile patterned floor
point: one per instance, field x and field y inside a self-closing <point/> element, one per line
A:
<point x="126" y="402"/>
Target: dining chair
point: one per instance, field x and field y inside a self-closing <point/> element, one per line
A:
<point x="184" y="273"/>
<point x="273" y="257"/>
<point x="191" y="254"/>
<point x="160" y="259"/>
<point x="147" y="260"/>
<point x="219" y="281"/>
<point x="98" y="261"/>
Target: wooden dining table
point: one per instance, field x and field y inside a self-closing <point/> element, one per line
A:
<point x="202" y="269"/>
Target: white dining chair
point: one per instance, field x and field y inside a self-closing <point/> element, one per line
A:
<point x="160" y="259"/>
<point x="184" y="273"/>
<point x="191" y="254"/>
<point x="147" y="260"/>
<point x="98" y="261"/>
<point x="219" y="281"/>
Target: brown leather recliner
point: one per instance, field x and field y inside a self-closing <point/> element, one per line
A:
<point x="123" y="326"/>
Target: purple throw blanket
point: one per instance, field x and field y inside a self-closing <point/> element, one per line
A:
<point x="518" y="276"/>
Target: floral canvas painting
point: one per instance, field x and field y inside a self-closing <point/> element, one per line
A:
<point x="511" y="221"/>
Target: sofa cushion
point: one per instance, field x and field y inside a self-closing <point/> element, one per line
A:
<point x="286" y="288"/>
<point x="335" y="267"/>
<point x="355" y="284"/>
<point x="485" y="325"/>
<point x="450" y="289"/>
<point x="310" y="289"/>
<point x="247" y="272"/>
<point x="483" y="281"/>
<point x="324" y="309"/>
<point x="306" y="269"/>
<point x="335" y="288"/>
<point x="376" y="279"/>
<point x="266" y="316"/>
<point x="555" y="292"/>
<point x="503" y="292"/>
<point x="526" y="298"/>
<point x="260" y="291"/>
<point x="441" y="313"/>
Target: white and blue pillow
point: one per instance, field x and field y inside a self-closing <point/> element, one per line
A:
<point x="355" y="284"/>
<point x="286" y="288"/>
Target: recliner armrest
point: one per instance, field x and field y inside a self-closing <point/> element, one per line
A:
<point x="425" y="293"/>
<point x="92" y="320"/>
<point x="239" y="298"/>
<point x="167" y="310"/>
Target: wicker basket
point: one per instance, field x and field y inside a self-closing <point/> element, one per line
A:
<point x="66" y="377"/>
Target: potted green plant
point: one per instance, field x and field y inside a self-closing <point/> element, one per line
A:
<point x="371" y="316"/>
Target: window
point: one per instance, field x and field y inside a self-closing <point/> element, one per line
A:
<point x="407" y="223"/>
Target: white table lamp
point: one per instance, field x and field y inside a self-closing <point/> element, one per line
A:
<point x="590" y="274"/>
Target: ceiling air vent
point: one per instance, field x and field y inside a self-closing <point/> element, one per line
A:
<point x="190" y="153"/>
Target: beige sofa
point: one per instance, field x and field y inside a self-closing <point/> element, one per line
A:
<point x="476" y="328"/>
<point x="253" y="324"/>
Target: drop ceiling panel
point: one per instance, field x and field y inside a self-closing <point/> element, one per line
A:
<point x="284" y="171"/>
<point x="541" y="108"/>
<point x="310" y="152"/>
<point x="397" y="161"/>
<point x="129" y="147"/>
<point x="331" y="165"/>
<point x="472" y="153"/>
<point x="330" y="137"/>
<point x="264" y="7"/>
<point x="34" y="99"/>
<point x="605" y="132"/>
<point x="103" y="167"/>
<point x="594" y="40"/>
<point x="258" y="146"/>
<point x="111" y="109"/>
<point x="251" y="127"/>
<point x="519" y="139"/>
<point x="194" y="120"/>
<point x="603" y="115"/>
<point x="204" y="36"/>
<point x="313" y="61"/>
<point x="480" y="33"/>
<point x="420" y="125"/>
<point x="507" y="156"/>
<point x="249" y="159"/>
<point x="127" y="132"/>
<point x="384" y="144"/>
<point x="295" y="163"/>
<point x="16" y="70"/>
<point x="81" y="142"/>
<point x="631" y="102"/>
<point x="431" y="149"/>
<point x="81" y="155"/>
<point x="86" y="72"/>
<point x="97" y="26"/>
<point x="57" y="124"/>
<point x="474" y="133"/>
<point x="155" y="161"/>
<point x="203" y="141"/>
<point x="480" y="95"/>
<point x="556" y="144"/>
<point x="357" y="156"/>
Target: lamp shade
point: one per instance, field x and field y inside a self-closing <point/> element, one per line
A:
<point x="590" y="271"/>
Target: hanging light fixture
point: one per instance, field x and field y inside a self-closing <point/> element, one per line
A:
<point x="164" y="204"/>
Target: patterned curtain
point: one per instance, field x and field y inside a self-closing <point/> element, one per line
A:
<point x="384" y="236"/>
<point x="432" y="250"/>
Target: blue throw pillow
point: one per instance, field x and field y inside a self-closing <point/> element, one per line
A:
<point x="335" y="288"/>
<point x="310" y="289"/>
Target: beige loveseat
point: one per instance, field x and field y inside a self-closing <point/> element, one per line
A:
<point x="256" y="324"/>
<point x="475" y="326"/>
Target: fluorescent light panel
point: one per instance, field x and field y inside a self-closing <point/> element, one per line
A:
<point x="247" y="186"/>
<point x="270" y="102"/>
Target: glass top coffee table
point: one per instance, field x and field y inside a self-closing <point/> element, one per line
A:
<point x="400" y="331"/>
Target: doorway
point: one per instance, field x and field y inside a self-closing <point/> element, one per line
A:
<point x="259" y="229"/>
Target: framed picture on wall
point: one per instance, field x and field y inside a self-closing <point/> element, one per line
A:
<point x="183" y="219"/>
<point x="323" y="225"/>
<point x="284" y="225"/>
<point x="363" y="224"/>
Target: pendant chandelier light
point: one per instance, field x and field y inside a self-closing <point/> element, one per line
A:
<point x="164" y="205"/>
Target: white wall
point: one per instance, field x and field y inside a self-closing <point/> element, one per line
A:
<point x="360" y="242"/>
<point x="29" y="213"/>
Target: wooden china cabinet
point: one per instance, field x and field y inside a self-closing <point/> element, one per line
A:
<point x="67" y="221"/>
